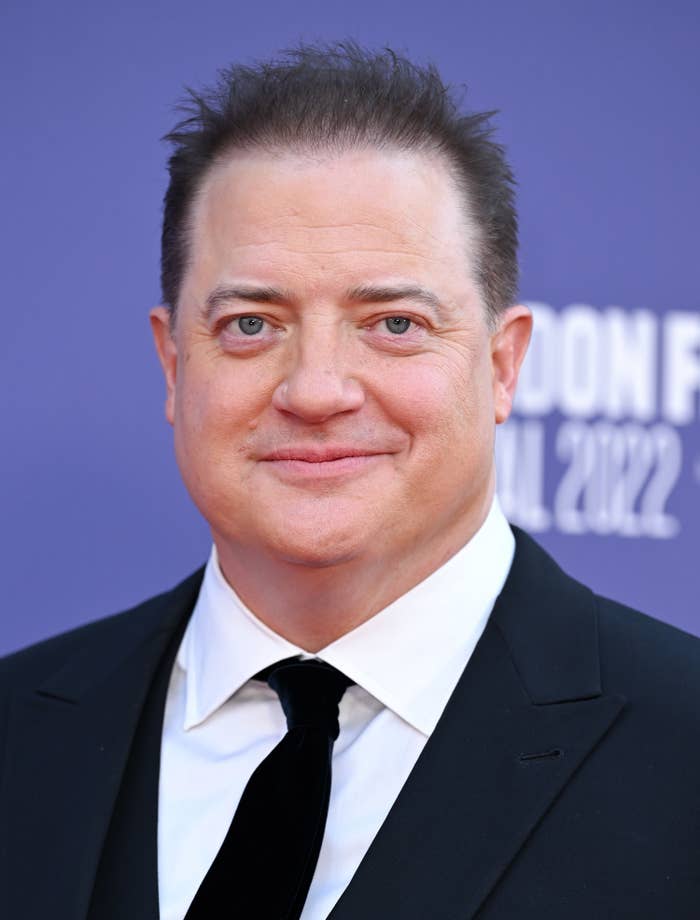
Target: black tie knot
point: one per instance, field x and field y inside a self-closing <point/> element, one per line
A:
<point x="309" y="692"/>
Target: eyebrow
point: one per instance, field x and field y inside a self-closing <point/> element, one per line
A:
<point x="252" y="293"/>
<point x="363" y="293"/>
<point x="368" y="293"/>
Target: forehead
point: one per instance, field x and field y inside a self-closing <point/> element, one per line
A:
<point x="341" y="215"/>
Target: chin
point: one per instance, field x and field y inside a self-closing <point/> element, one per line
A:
<point x="321" y="553"/>
<point x="318" y="561"/>
<point x="317" y="543"/>
<point x="313" y="534"/>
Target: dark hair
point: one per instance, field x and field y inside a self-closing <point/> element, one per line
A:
<point x="342" y="96"/>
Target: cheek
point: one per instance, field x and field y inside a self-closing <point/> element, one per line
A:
<point x="437" y="400"/>
<point x="219" y="396"/>
<point x="215" y="411"/>
<point x="197" y="398"/>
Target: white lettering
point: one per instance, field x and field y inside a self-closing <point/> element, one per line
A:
<point x="581" y="360"/>
<point x="630" y="344"/>
<point x="681" y="367"/>
<point x="520" y="453"/>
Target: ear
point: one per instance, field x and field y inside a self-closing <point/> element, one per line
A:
<point x="167" y="355"/>
<point x="508" y="347"/>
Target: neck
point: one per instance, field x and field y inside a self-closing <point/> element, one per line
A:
<point x="312" y="606"/>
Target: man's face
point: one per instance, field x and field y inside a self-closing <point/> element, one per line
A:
<point x="332" y="380"/>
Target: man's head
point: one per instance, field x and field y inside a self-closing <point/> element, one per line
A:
<point x="343" y="98"/>
<point x="340" y="355"/>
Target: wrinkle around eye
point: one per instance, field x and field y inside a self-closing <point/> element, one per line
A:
<point x="232" y="338"/>
<point x="413" y="339"/>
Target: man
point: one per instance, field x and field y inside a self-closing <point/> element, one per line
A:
<point x="339" y="339"/>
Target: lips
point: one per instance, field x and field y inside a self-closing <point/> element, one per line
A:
<point x="302" y="465"/>
<point x="325" y="454"/>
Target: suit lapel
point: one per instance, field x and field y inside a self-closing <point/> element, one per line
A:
<point x="525" y="714"/>
<point x="67" y="747"/>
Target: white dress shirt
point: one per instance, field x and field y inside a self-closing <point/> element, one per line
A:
<point x="219" y="724"/>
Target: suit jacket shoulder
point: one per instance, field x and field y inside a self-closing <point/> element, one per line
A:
<point x="635" y="638"/>
<point x="97" y="643"/>
<point x="541" y="607"/>
<point x="656" y="666"/>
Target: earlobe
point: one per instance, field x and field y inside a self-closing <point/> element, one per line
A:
<point x="508" y="348"/>
<point x="167" y="354"/>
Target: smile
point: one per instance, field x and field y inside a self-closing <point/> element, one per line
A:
<point x="311" y="464"/>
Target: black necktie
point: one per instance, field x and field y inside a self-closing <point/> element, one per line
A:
<point x="267" y="860"/>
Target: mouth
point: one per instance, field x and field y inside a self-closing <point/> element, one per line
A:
<point x="321" y="463"/>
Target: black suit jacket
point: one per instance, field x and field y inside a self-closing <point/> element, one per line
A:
<point x="562" y="780"/>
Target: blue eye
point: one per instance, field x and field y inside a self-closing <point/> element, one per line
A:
<point x="397" y="324"/>
<point x="250" y="325"/>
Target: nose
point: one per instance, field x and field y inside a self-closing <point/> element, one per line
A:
<point x="317" y="385"/>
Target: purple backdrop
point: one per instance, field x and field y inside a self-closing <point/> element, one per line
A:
<point x="599" y="110"/>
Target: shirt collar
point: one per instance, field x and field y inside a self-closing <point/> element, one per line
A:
<point x="409" y="656"/>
